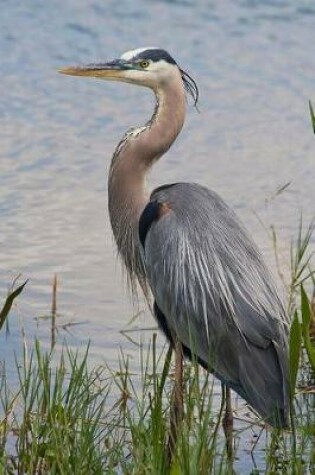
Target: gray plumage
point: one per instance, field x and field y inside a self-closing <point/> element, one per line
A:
<point x="207" y="277"/>
<point x="218" y="296"/>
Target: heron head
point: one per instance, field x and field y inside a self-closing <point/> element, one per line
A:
<point x="150" y="67"/>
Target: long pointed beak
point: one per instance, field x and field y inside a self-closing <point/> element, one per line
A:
<point x="112" y="70"/>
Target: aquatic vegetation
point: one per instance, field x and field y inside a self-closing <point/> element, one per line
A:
<point x="66" y="418"/>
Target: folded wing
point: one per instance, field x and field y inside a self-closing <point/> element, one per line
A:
<point x="216" y="295"/>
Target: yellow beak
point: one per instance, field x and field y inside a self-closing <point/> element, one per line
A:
<point x="112" y="70"/>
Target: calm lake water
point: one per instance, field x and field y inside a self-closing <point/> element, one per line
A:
<point x="254" y="64"/>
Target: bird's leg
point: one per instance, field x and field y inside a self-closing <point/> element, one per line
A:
<point x="227" y="422"/>
<point x="177" y="404"/>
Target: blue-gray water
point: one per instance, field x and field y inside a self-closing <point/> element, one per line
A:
<point x="254" y="64"/>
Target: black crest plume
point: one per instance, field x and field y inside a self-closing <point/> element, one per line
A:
<point x="190" y="86"/>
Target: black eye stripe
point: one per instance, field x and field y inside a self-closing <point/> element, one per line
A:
<point x="155" y="55"/>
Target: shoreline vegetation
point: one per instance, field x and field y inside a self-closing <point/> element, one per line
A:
<point x="64" y="418"/>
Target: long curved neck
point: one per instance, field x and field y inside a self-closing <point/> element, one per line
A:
<point x="136" y="153"/>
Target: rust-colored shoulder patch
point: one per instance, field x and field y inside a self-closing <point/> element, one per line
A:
<point x="152" y="212"/>
<point x="164" y="208"/>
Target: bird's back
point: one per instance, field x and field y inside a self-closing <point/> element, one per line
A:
<point x="216" y="295"/>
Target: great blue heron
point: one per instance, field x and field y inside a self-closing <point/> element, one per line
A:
<point x="213" y="294"/>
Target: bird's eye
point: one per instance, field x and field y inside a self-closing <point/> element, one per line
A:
<point x="144" y="64"/>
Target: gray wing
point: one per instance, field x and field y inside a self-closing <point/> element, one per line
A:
<point x="217" y="297"/>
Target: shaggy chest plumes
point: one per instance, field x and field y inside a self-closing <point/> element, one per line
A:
<point x="133" y="158"/>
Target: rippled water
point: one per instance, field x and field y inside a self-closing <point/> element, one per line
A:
<point x="254" y="64"/>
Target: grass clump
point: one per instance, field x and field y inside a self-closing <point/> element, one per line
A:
<point x="65" y="419"/>
<point x="146" y="419"/>
<point x="52" y="423"/>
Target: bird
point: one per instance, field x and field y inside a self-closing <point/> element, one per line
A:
<point x="213" y="296"/>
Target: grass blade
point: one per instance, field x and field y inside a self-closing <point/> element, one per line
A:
<point x="312" y="115"/>
<point x="295" y="351"/>
<point x="306" y="319"/>
<point x="9" y="302"/>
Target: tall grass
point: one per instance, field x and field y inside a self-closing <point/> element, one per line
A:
<point x="66" y="419"/>
<point x="52" y="424"/>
